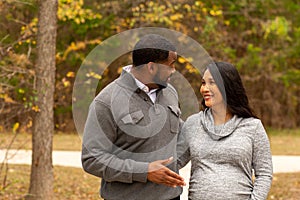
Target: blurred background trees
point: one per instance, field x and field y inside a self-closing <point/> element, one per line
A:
<point x="261" y="37"/>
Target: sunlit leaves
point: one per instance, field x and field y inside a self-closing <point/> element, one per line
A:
<point x="74" y="11"/>
<point x="279" y="27"/>
<point x="17" y="97"/>
<point x="35" y="108"/>
<point x="30" y="29"/>
<point x="186" y="62"/>
<point x="156" y="13"/>
<point x="253" y="60"/>
<point x="16" y="127"/>
<point x="6" y="98"/>
<point x="94" y="75"/>
<point x="210" y="25"/>
<point x="174" y="15"/>
<point x="66" y="82"/>
<point x="70" y="74"/>
<point x="74" y="47"/>
<point x="21" y="91"/>
<point x="216" y="11"/>
<point x="259" y="37"/>
<point x="291" y="77"/>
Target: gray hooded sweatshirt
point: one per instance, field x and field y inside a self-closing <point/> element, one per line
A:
<point x="224" y="157"/>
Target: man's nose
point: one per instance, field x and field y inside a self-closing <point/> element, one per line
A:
<point x="173" y="70"/>
<point x="173" y="67"/>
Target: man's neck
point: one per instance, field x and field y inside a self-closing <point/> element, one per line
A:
<point x="143" y="77"/>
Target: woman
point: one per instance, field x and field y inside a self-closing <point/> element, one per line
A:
<point x="227" y="144"/>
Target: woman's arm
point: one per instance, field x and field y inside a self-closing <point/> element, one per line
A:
<point x="262" y="164"/>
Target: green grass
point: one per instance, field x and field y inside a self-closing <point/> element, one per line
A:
<point x="69" y="183"/>
<point x="74" y="184"/>
<point x="283" y="142"/>
<point x="61" y="141"/>
<point x="285" y="186"/>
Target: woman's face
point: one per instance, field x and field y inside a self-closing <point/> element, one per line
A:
<point x="210" y="91"/>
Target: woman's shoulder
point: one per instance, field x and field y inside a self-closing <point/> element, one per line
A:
<point x="253" y="125"/>
<point x="193" y="120"/>
<point x="251" y="121"/>
<point x="194" y="117"/>
<point x="191" y="126"/>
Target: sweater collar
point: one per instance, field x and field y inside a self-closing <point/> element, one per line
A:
<point x="220" y="131"/>
<point x="127" y="80"/>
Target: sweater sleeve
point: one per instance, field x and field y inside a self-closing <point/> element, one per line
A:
<point x="97" y="156"/>
<point x="183" y="151"/>
<point x="262" y="164"/>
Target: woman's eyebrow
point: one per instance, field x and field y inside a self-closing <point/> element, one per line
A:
<point x="209" y="79"/>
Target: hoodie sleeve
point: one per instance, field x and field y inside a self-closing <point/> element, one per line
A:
<point x="97" y="156"/>
<point x="262" y="164"/>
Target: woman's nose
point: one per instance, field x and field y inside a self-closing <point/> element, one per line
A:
<point x="204" y="88"/>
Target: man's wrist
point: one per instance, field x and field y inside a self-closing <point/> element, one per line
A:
<point x="140" y="172"/>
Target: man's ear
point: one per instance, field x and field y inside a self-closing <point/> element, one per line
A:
<point x="152" y="68"/>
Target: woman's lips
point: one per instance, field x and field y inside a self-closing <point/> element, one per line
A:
<point x="207" y="97"/>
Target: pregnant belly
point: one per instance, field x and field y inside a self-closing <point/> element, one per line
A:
<point x="220" y="186"/>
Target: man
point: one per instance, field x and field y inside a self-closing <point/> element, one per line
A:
<point x="131" y="131"/>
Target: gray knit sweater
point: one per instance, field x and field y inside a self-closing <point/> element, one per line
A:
<point x="224" y="157"/>
<point x="124" y="132"/>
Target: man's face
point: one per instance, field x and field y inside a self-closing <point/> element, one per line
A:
<point x="165" y="70"/>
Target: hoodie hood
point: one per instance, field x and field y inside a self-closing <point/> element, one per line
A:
<point x="220" y="131"/>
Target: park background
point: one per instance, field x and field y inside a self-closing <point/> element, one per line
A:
<point x="261" y="38"/>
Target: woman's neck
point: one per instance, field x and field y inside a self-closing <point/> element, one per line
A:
<point x="221" y="116"/>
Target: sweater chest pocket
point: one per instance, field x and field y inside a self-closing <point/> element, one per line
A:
<point x="133" y="118"/>
<point x="132" y="128"/>
<point x="174" y="119"/>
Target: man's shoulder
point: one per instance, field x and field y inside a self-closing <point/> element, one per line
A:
<point x="106" y="92"/>
<point x="170" y="89"/>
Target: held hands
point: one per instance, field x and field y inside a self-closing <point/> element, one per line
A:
<point x="160" y="174"/>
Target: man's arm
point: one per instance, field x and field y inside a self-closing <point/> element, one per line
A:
<point x="182" y="149"/>
<point x="98" y="159"/>
<point x="97" y="147"/>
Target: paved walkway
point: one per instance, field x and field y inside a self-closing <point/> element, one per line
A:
<point x="281" y="164"/>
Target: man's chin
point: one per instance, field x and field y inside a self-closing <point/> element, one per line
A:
<point x="162" y="85"/>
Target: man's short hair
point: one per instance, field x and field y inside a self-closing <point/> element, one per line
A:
<point x="151" y="48"/>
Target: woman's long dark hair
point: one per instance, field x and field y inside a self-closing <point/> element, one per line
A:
<point x="231" y="87"/>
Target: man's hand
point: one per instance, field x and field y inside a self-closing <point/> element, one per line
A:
<point x="160" y="174"/>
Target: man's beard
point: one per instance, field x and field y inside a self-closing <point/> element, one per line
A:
<point x="161" y="84"/>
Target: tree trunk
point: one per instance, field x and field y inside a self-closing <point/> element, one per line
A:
<point x="41" y="179"/>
